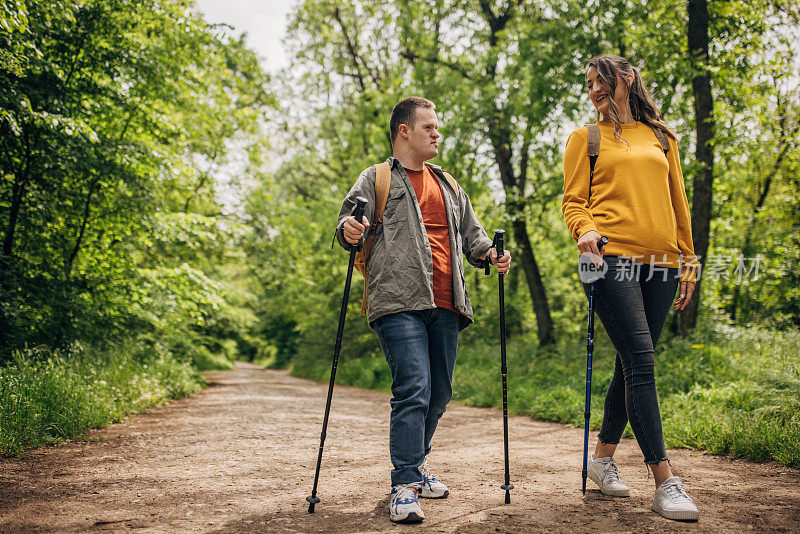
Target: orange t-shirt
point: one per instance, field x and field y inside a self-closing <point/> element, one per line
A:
<point x="434" y="217"/>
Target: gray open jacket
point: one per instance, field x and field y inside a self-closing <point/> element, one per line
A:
<point x="400" y="270"/>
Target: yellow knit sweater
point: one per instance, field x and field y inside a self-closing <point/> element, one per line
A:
<point x="638" y="199"/>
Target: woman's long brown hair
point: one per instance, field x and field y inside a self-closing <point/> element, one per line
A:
<point x="609" y="69"/>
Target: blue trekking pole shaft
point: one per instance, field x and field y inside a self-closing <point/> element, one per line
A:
<point x="498" y="241"/>
<point x="358" y="213"/>
<point x="587" y="412"/>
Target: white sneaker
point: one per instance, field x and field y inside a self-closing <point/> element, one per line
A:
<point x="404" y="506"/>
<point x="605" y="473"/>
<point x="431" y="487"/>
<point x="672" y="501"/>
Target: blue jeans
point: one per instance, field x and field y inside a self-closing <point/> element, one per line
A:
<point x="633" y="310"/>
<point x="420" y="348"/>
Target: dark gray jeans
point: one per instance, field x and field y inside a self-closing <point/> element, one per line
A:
<point x="632" y="301"/>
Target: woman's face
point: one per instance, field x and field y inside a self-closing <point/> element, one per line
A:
<point x="599" y="94"/>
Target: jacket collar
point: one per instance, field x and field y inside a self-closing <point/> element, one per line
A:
<point x="436" y="168"/>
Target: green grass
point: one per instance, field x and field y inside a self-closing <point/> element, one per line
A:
<point x="724" y="390"/>
<point x="50" y="397"/>
<point x="369" y="372"/>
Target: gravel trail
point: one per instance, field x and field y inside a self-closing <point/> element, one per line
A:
<point x="240" y="455"/>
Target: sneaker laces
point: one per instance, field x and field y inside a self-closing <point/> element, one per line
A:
<point x="425" y="470"/>
<point x="611" y="473"/>
<point x="676" y="492"/>
<point x="406" y="493"/>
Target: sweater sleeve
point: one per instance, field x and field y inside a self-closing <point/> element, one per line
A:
<point x="690" y="266"/>
<point x="575" y="203"/>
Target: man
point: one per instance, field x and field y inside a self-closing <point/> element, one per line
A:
<point x="416" y="293"/>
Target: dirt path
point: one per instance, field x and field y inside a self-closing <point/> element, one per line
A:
<point x="239" y="457"/>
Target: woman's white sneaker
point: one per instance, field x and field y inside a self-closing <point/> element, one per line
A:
<point x="431" y="487"/>
<point x="404" y="505"/>
<point x="605" y="473"/>
<point x="672" y="501"/>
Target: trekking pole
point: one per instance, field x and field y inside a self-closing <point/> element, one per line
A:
<point x="358" y="213"/>
<point x="587" y="413"/>
<point x="498" y="244"/>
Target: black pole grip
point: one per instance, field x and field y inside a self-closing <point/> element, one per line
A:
<point x="486" y="263"/>
<point x="498" y="242"/>
<point x="603" y="241"/>
<point x="358" y="215"/>
<point x="498" y="246"/>
<point x="358" y="211"/>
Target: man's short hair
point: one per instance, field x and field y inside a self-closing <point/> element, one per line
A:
<point x="403" y="113"/>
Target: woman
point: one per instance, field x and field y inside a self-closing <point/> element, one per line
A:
<point x="636" y="198"/>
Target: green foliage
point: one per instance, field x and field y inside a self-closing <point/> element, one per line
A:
<point x="47" y="397"/>
<point x="745" y="400"/>
<point x="364" y="371"/>
<point x="510" y="97"/>
<point x="115" y="120"/>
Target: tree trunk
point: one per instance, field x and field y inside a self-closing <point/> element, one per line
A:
<point x="17" y="196"/>
<point x="514" y="183"/>
<point x="544" y="323"/>
<point x="702" y="182"/>
<point x="81" y="231"/>
<point x="747" y="246"/>
<point x="514" y="186"/>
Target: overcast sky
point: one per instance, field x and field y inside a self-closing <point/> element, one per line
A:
<point x="264" y="21"/>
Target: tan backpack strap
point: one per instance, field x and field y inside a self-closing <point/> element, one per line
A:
<point x="383" y="181"/>
<point x="592" y="150"/>
<point x="594" y="140"/>
<point x="661" y="135"/>
<point x="364" y="298"/>
<point x="452" y="182"/>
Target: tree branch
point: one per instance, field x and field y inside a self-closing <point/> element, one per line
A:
<point x="523" y="163"/>
<point x="497" y="23"/>
<point x="435" y="60"/>
<point x="351" y="49"/>
<point x="88" y="204"/>
<point x="18" y="193"/>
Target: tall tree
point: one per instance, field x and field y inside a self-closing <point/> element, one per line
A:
<point x="703" y="181"/>
<point x="507" y="77"/>
<point x="511" y="90"/>
<point x="111" y="115"/>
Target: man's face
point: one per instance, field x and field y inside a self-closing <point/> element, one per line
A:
<point x="423" y="135"/>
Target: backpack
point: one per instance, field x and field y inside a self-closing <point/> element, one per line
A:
<point x="383" y="181"/>
<point x="593" y="148"/>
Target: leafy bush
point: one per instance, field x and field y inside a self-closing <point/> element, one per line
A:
<point x="46" y="397"/>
